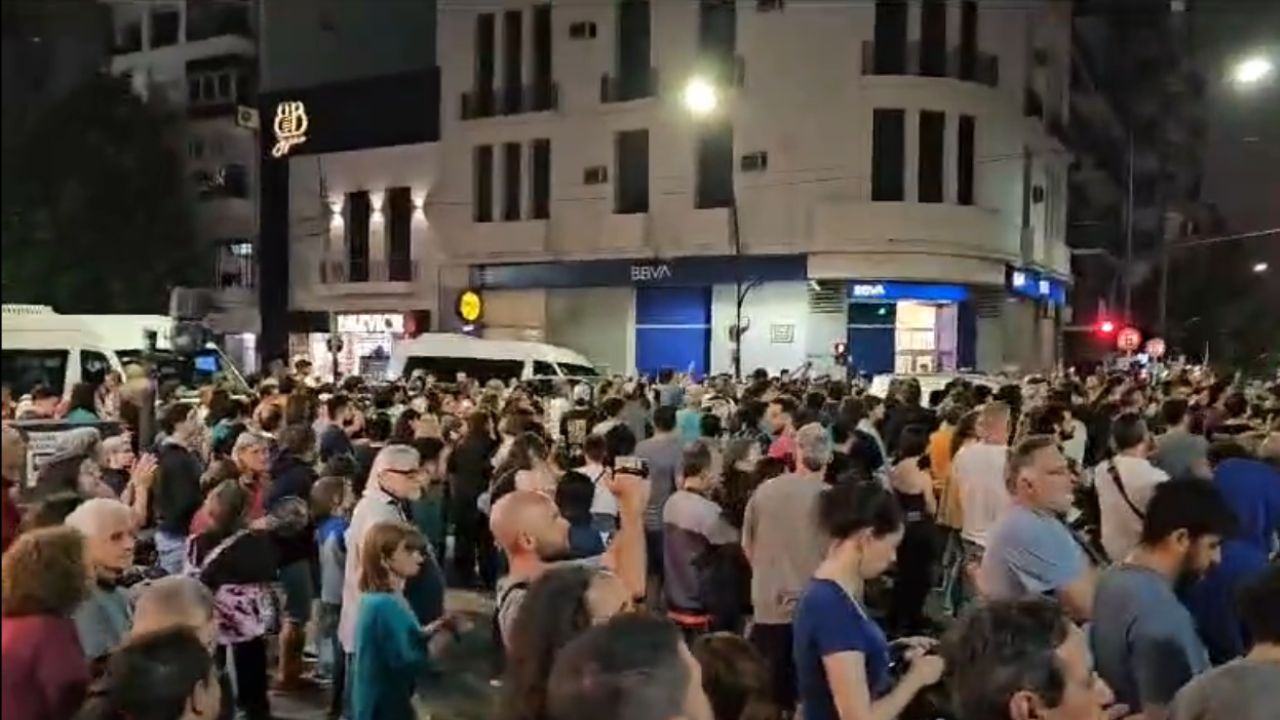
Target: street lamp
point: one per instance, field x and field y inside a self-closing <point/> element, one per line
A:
<point x="1260" y="267"/>
<point x="701" y="98"/>
<point x="1252" y="70"/>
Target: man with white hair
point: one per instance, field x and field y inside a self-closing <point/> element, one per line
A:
<point x="104" y="619"/>
<point x="175" y="601"/>
<point x="784" y="545"/>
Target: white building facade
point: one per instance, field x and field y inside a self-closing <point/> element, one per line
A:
<point x="199" y="59"/>
<point x="889" y="175"/>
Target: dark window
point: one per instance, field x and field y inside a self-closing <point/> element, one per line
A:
<point x="631" y="183"/>
<point x="193" y="90"/>
<point x="873" y="313"/>
<point x="633" y="48"/>
<point x="718" y="35"/>
<point x="933" y="38"/>
<point x="234" y="179"/>
<point x="968" y="39"/>
<point x="164" y="28"/>
<point x="964" y="161"/>
<point x="754" y="162"/>
<point x="891" y="37"/>
<point x="1026" y="187"/>
<point x="595" y="175"/>
<point x="542" y="368"/>
<point x="482" y="183"/>
<point x="358" y="236"/>
<point x="582" y="30"/>
<point x="541" y="45"/>
<point x="512" y="60"/>
<point x="932" y="133"/>
<point x="888" y="135"/>
<point x="480" y="370"/>
<point x="511" y="181"/>
<point x="540" y="179"/>
<point x="24" y="369"/>
<point x="486" y="45"/>
<point x="94" y="367"/>
<point x="224" y="86"/>
<point x="715" y="167"/>
<point x="399" y="233"/>
<point x="770" y="5"/>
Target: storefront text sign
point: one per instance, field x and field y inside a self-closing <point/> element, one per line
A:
<point x="868" y="290"/>
<point x="371" y="323"/>
<point x="650" y="273"/>
<point x="290" y="127"/>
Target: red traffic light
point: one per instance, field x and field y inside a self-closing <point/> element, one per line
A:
<point x="1106" y="327"/>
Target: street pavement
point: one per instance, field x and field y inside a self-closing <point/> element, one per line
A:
<point x="462" y="690"/>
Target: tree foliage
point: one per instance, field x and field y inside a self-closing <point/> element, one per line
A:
<point x="96" y="214"/>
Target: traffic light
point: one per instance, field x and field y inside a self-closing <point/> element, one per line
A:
<point x="1106" y="327"/>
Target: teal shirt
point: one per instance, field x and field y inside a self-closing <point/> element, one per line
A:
<point x="390" y="655"/>
<point x="689" y="425"/>
<point x="80" y="416"/>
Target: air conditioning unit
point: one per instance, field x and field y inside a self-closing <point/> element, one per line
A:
<point x="595" y="175"/>
<point x="247" y="117"/>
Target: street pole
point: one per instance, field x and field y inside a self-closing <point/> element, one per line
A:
<point x="740" y="294"/>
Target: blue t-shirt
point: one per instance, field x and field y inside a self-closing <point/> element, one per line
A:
<point x="1029" y="553"/>
<point x="1212" y="600"/>
<point x="827" y="621"/>
<point x="1252" y="489"/>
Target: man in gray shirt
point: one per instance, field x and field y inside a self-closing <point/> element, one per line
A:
<point x="1144" y="641"/>
<point x="1180" y="452"/>
<point x="1248" y="688"/>
<point x="664" y="453"/>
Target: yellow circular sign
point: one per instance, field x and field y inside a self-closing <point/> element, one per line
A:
<point x="470" y="306"/>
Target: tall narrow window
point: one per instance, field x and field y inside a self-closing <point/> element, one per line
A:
<point x="933" y="38"/>
<point x="932" y="133"/>
<point x="633" y="49"/>
<point x="715" y="167"/>
<point x="399" y="203"/>
<point x="964" y="161"/>
<point x="486" y="45"/>
<point x="631" y="181"/>
<point x="540" y="179"/>
<point x="888" y="154"/>
<point x="891" y="37"/>
<point x="482" y="183"/>
<point x="511" y="181"/>
<point x="1026" y="187"/>
<point x="541" y="62"/>
<point x="717" y="35"/>
<point x="968" y="39"/>
<point x="512" y="61"/>
<point x="358" y="236"/>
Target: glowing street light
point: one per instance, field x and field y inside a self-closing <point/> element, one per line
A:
<point x="1252" y="70"/>
<point x="701" y="98"/>
<point x="1260" y="267"/>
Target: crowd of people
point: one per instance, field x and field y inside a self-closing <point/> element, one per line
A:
<point x="1062" y="548"/>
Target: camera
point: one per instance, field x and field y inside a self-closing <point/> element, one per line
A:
<point x="631" y="465"/>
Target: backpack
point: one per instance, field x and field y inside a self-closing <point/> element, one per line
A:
<point x="244" y="611"/>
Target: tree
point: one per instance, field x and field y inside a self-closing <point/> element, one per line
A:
<point x="96" y="214"/>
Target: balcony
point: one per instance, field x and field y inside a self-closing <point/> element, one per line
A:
<point x="347" y="276"/>
<point x="624" y="88"/>
<point x="982" y="68"/>
<point x="488" y="102"/>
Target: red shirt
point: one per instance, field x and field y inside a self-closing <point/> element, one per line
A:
<point x="43" y="675"/>
<point x="784" y="448"/>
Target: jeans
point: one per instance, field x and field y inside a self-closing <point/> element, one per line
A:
<point x="171" y="551"/>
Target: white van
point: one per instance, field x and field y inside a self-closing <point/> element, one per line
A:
<point x="445" y="355"/>
<point x="40" y="346"/>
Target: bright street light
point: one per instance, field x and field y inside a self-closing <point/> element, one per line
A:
<point x="1260" y="267"/>
<point x="1252" y="70"/>
<point x="701" y="97"/>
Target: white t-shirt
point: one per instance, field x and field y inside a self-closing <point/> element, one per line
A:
<point x="1121" y="526"/>
<point x="604" y="502"/>
<point x="979" y="470"/>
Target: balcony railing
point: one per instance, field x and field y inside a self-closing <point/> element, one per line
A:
<point x="634" y="86"/>
<point x="334" y="272"/>
<point x="982" y="68"/>
<point x="490" y="102"/>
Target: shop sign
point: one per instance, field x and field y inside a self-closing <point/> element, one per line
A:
<point x="1029" y="283"/>
<point x="470" y="306"/>
<point x="650" y="273"/>
<point x="653" y="272"/>
<point x="371" y="323"/>
<point x="782" y="334"/>
<point x="868" y="290"/>
<point x="289" y="127"/>
<point x="892" y="291"/>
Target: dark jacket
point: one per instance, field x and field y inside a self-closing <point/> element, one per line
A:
<point x="334" y="441"/>
<point x="291" y="477"/>
<point x="251" y="558"/>
<point x="176" y="496"/>
<point x="470" y="468"/>
<point x="902" y="417"/>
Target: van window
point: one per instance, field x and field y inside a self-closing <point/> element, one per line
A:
<point x="24" y="369"/>
<point x="446" y="369"/>
<point x="574" y="370"/>
<point x="541" y="368"/>
<point x="94" y="367"/>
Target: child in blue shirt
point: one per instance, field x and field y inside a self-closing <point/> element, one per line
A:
<point x="574" y="494"/>
<point x="332" y="500"/>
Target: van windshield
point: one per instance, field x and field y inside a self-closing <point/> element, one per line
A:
<point x="207" y="366"/>
<point x="24" y="369"/>
<point x="573" y="370"/>
<point x="446" y="369"/>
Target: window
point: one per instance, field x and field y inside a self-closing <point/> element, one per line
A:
<point x="399" y="202"/>
<point x="94" y="367"/>
<point x="541" y="45"/>
<point x="634" y="38"/>
<point x="482" y="183"/>
<point x="1026" y="187"/>
<point x="755" y="162"/>
<point x="770" y="5"/>
<point x="718" y="34"/>
<point x="481" y="370"/>
<point x="968" y="39"/>
<point x="195" y="148"/>
<point x="164" y="27"/>
<point x="540" y="179"/>
<point x="542" y="368"/>
<point x="511" y="181"/>
<point x="193" y="90"/>
<point x="358" y="208"/>
<point x="631" y="184"/>
<point x="929" y="180"/>
<point x="224" y="86"/>
<point x="485" y="53"/>
<point x="933" y="38"/>
<point x="715" y="167"/>
<point x="595" y="175"/>
<point x="22" y="370"/>
<point x="512" y="61"/>
<point x="891" y="37"/>
<point x="964" y="161"/>
<point x="888" y="133"/>
<point x="582" y="30"/>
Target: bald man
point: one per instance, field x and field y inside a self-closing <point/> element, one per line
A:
<point x="528" y="527"/>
